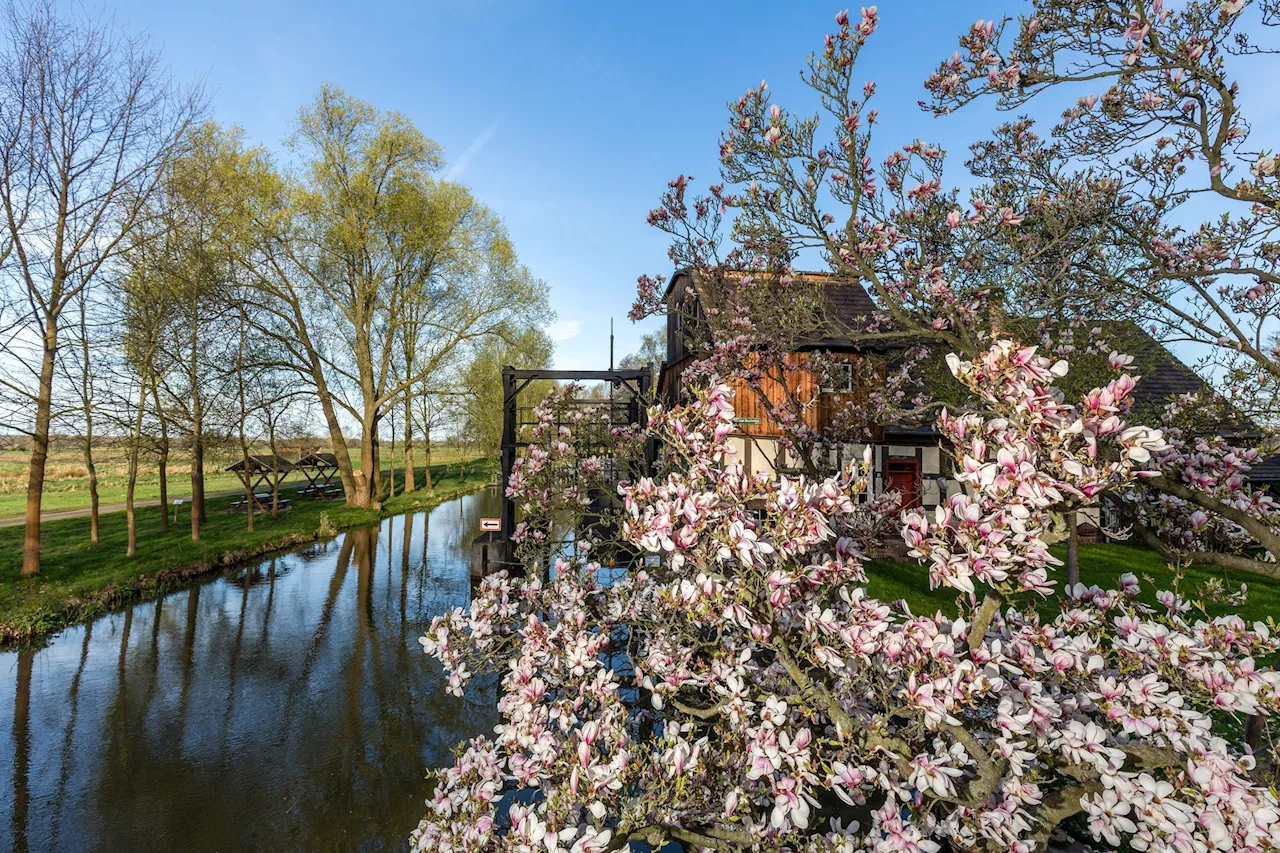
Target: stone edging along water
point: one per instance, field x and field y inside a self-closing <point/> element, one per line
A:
<point x="43" y="624"/>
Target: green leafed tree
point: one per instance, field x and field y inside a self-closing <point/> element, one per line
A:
<point x="364" y="250"/>
<point x="482" y="382"/>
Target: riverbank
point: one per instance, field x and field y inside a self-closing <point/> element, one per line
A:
<point x="80" y="580"/>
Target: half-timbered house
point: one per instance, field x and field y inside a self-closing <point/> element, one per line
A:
<point x="906" y="458"/>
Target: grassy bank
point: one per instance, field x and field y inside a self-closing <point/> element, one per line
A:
<point x="80" y="580"/>
<point x="1100" y="564"/>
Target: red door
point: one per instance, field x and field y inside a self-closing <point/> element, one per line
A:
<point x="904" y="478"/>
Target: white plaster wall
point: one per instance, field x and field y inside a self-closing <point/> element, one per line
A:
<point x="763" y="453"/>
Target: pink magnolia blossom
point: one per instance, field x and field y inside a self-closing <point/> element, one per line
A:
<point x="738" y="675"/>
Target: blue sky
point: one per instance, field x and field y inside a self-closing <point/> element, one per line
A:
<point x="566" y="118"/>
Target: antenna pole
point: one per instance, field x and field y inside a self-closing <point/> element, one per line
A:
<point x="611" y="343"/>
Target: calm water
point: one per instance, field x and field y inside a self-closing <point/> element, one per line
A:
<point x="284" y="706"/>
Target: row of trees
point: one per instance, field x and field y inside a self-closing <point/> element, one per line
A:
<point x="167" y="279"/>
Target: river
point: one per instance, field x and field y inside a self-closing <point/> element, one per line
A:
<point x="285" y="705"/>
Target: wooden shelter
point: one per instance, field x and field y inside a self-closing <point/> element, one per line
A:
<point x="261" y="471"/>
<point x="320" y="469"/>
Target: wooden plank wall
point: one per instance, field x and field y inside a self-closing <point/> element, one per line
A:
<point x="749" y="407"/>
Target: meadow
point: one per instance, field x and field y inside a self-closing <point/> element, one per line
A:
<point x="67" y="485"/>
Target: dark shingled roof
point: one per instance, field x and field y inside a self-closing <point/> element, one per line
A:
<point x="1163" y="376"/>
<point x="848" y="303"/>
<point x="850" y="306"/>
<point x="1170" y="378"/>
<point x="312" y="460"/>
<point x="1267" y="472"/>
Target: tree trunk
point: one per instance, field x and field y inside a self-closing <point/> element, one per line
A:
<point x="391" y="460"/>
<point x="275" y="475"/>
<point x="410" y="479"/>
<point x="163" y="462"/>
<point x="426" y="452"/>
<point x="198" y="494"/>
<point x="86" y="397"/>
<point x="199" y="513"/>
<point x="375" y="472"/>
<point x="247" y="478"/>
<point x="356" y="492"/>
<point x="369" y="465"/>
<point x="39" y="454"/>
<point x="248" y="493"/>
<point x="135" y="446"/>
<point x="92" y="472"/>
<point x="197" y="467"/>
<point x="1073" y="548"/>
<point x="248" y="473"/>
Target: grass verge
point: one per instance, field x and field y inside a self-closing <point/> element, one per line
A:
<point x="79" y="581"/>
<point x="1100" y="564"/>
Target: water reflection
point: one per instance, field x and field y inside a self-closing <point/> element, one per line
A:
<point x="285" y="705"/>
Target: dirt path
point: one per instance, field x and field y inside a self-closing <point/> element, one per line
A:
<point x="83" y="512"/>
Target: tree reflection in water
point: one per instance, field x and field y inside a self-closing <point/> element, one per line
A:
<point x="284" y="705"/>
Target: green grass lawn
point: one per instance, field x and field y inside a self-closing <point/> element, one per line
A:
<point x="1101" y="564"/>
<point x="79" y="580"/>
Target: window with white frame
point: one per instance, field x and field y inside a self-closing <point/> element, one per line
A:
<point x="837" y="378"/>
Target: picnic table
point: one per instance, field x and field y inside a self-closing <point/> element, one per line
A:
<point x="261" y="502"/>
<point x="261" y="471"/>
<point x="320" y="470"/>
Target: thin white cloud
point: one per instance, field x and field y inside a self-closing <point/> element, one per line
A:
<point x="460" y="165"/>
<point x="562" y="330"/>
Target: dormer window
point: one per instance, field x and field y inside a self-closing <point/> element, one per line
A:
<point x="837" y="378"/>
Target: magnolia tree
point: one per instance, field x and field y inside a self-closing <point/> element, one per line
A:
<point x="739" y="688"/>
<point x="1194" y="466"/>
<point x="1096" y="220"/>
<point x="1153" y="138"/>
<point x="1158" y="146"/>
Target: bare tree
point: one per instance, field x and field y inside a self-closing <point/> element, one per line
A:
<point x="87" y="119"/>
